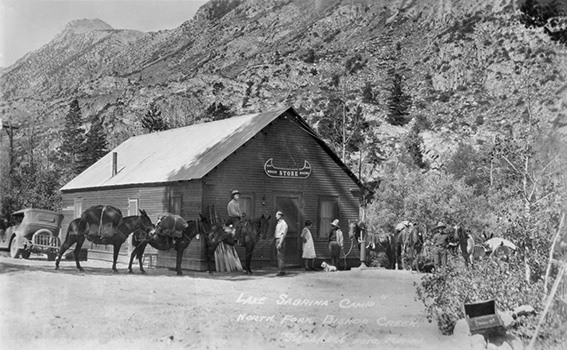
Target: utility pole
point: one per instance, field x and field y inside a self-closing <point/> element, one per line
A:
<point x="10" y="131"/>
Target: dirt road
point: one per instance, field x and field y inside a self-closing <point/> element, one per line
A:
<point x="41" y="308"/>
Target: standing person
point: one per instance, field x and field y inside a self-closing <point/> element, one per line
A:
<point x="440" y="243"/>
<point x="279" y="235"/>
<point x="308" y="246"/>
<point x="335" y="243"/>
<point x="234" y="215"/>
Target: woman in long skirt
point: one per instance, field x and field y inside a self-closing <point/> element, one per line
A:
<point x="308" y="247"/>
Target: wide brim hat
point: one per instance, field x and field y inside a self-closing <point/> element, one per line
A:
<point x="335" y="223"/>
<point x="234" y="192"/>
<point x="440" y="224"/>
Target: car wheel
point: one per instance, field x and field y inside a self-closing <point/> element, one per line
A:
<point x="14" y="250"/>
<point x="25" y="254"/>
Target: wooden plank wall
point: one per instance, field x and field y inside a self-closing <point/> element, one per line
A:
<point x="289" y="146"/>
<point x="155" y="200"/>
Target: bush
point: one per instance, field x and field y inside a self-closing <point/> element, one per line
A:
<point x="444" y="294"/>
<point x="379" y="259"/>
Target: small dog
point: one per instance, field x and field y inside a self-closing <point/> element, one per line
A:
<point x="328" y="268"/>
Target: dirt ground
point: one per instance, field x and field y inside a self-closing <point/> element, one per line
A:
<point x="41" y="308"/>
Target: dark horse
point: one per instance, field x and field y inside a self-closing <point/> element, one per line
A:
<point x="466" y="244"/>
<point x="413" y="243"/>
<point x="251" y="230"/>
<point x="101" y="224"/>
<point x="372" y="241"/>
<point x="187" y="230"/>
<point x="397" y="245"/>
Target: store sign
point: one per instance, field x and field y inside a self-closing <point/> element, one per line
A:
<point x="297" y="173"/>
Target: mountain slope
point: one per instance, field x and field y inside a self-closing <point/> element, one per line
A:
<point x="470" y="68"/>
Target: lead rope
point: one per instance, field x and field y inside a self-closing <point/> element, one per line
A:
<point x="100" y="222"/>
<point x="350" y="250"/>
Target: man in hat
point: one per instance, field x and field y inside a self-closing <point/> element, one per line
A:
<point x="440" y="244"/>
<point x="279" y="235"/>
<point x="234" y="214"/>
<point x="335" y="242"/>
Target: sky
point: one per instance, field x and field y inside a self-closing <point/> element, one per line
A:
<point x="26" y="25"/>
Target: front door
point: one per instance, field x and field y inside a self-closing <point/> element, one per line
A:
<point x="290" y="205"/>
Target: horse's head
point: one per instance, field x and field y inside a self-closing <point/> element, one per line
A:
<point x="203" y="225"/>
<point x="417" y="234"/>
<point x="352" y="228"/>
<point x="146" y="224"/>
<point x="355" y="229"/>
<point x="158" y="224"/>
<point x="264" y="225"/>
<point x="458" y="233"/>
<point x="216" y="234"/>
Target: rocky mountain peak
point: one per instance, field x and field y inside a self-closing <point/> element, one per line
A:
<point x="85" y="25"/>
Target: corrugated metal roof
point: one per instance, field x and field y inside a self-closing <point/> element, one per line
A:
<point x="173" y="155"/>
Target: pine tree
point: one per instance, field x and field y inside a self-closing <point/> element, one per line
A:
<point x="398" y="103"/>
<point x="152" y="120"/>
<point x="217" y="111"/>
<point x="95" y="146"/>
<point x="536" y="13"/>
<point x="414" y="146"/>
<point x="72" y="141"/>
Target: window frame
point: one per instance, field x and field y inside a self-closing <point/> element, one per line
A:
<point x="324" y="222"/>
<point x="137" y="204"/>
<point x="173" y="201"/>
<point x="78" y="207"/>
<point x="245" y="198"/>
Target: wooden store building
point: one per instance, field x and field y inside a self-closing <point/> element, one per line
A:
<point x="274" y="159"/>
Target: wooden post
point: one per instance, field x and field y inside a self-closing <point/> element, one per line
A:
<point x="10" y="131"/>
<point x="363" y="238"/>
<point x="548" y="305"/>
<point x="551" y="251"/>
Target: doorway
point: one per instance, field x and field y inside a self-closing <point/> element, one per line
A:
<point x="289" y="204"/>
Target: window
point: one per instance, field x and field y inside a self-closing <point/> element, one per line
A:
<point x="175" y="204"/>
<point x="133" y="205"/>
<point x="328" y="211"/>
<point x="247" y="205"/>
<point x="78" y="207"/>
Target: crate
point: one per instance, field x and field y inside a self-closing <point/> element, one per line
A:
<point x="483" y="318"/>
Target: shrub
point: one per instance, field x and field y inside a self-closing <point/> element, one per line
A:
<point x="379" y="259"/>
<point x="444" y="294"/>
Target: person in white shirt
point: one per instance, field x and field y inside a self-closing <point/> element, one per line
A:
<point x="279" y="235"/>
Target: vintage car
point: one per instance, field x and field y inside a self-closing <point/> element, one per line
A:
<point x="32" y="231"/>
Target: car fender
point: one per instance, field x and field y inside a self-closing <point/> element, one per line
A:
<point x="19" y="240"/>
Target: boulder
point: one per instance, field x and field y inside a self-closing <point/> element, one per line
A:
<point x="477" y="342"/>
<point x="507" y="319"/>
<point x="461" y="328"/>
